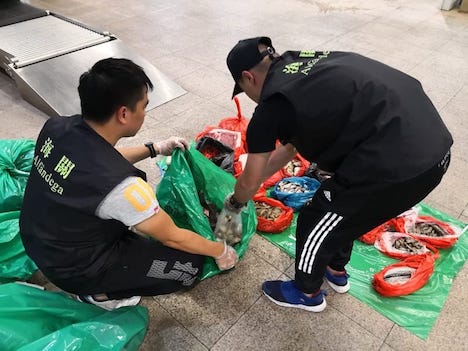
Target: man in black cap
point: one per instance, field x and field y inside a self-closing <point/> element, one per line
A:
<point x="371" y="125"/>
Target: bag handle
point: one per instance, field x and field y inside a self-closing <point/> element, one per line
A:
<point x="239" y="113"/>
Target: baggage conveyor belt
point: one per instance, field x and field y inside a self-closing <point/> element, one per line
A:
<point x="46" y="56"/>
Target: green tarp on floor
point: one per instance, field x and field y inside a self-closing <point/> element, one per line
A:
<point x="416" y="312"/>
<point x="33" y="319"/>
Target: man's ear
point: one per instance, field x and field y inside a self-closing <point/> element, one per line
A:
<point x="247" y="76"/>
<point x="122" y="114"/>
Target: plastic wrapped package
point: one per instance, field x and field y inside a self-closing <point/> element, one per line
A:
<point x="237" y="123"/>
<point x="220" y="154"/>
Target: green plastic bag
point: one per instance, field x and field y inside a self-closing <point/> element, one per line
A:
<point x="14" y="263"/>
<point x="188" y="174"/>
<point x="16" y="158"/>
<point x="32" y="319"/>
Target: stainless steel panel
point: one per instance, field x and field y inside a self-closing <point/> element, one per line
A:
<point x="51" y="85"/>
<point x="44" y="37"/>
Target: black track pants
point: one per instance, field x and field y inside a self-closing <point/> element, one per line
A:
<point x="146" y="268"/>
<point x="338" y="214"/>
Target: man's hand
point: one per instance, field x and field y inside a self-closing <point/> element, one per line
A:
<point x="166" y="147"/>
<point x="228" y="258"/>
<point x="229" y="224"/>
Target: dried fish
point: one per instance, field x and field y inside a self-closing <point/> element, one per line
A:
<point x="399" y="275"/>
<point x="266" y="211"/>
<point x="287" y="186"/>
<point x="408" y="244"/>
<point x="429" y="229"/>
<point x="293" y="167"/>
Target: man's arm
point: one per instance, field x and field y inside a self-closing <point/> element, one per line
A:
<point x="134" y="154"/>
<point x="278" y="159"/>
<point x="260" y="166"/>
<point x="162" y="228"/>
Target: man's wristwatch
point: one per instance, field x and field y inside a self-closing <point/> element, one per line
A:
<point x="236" y="204"/>
<point x="150" y="146"/>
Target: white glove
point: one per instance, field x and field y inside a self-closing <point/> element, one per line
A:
<point x="228" y="258"/>
<point x="166" y="147"/>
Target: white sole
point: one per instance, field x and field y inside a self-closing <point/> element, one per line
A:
<point x="338" y="288"/>
<point x="110" y="305"/>
<point x="318" y="308"/>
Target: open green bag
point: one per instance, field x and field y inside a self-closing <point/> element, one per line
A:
<point x="33" y="319"/>
<point x="177" y="193"/>
<point x="14" y="263"/>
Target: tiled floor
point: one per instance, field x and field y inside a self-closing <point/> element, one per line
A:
<point x="189" y="40"/>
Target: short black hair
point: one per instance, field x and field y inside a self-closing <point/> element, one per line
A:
<point x="109" y="84"/>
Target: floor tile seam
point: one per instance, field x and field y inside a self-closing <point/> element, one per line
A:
<point x="453" y="96"/>
<point x="283" y="272"/>
<point x="383" y="345"/>
<point x="237" y="320"/>
<point x="378" y="337"/>
<point x="394" y="326"/>
<point x="427" y="58"/>
<point x="179" y="322"/>
<point x="442" y="207"/>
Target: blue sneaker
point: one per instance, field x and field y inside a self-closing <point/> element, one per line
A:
<point x="339" y="283"/>
<point x="287" y="295"/>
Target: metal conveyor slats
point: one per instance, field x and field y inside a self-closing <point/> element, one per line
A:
<point x="41" y="38"/>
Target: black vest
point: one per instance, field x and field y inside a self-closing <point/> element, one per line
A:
<point x="73" y="170"/>
<point x="358" y="117"/>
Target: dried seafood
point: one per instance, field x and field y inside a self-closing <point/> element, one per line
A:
<point x="266" y="211"/>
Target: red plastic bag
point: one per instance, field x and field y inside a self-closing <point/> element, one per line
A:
<point x="229" y="138"/>
<point x="404" y="278"/>
<point x="294" y="168"/>
<point x="401" y="245"/>
<point x="238" y="123"/>
<point x="446" y="235"/>
<point x="393" y="225"/>
<point x="230" y="131"/>
<point x="280" y="223"/>
<point x="275" y="178"/>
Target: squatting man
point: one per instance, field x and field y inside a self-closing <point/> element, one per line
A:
<point x="90" y="221"/>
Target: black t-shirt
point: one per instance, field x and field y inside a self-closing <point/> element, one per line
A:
<point x="352" y="115"/>
<point x="274" y="120"/>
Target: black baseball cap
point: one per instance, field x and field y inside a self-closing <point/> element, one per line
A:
<point x="246" y="55"/>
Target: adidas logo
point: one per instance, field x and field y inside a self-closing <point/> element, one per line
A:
<point x="327" y="195"/>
